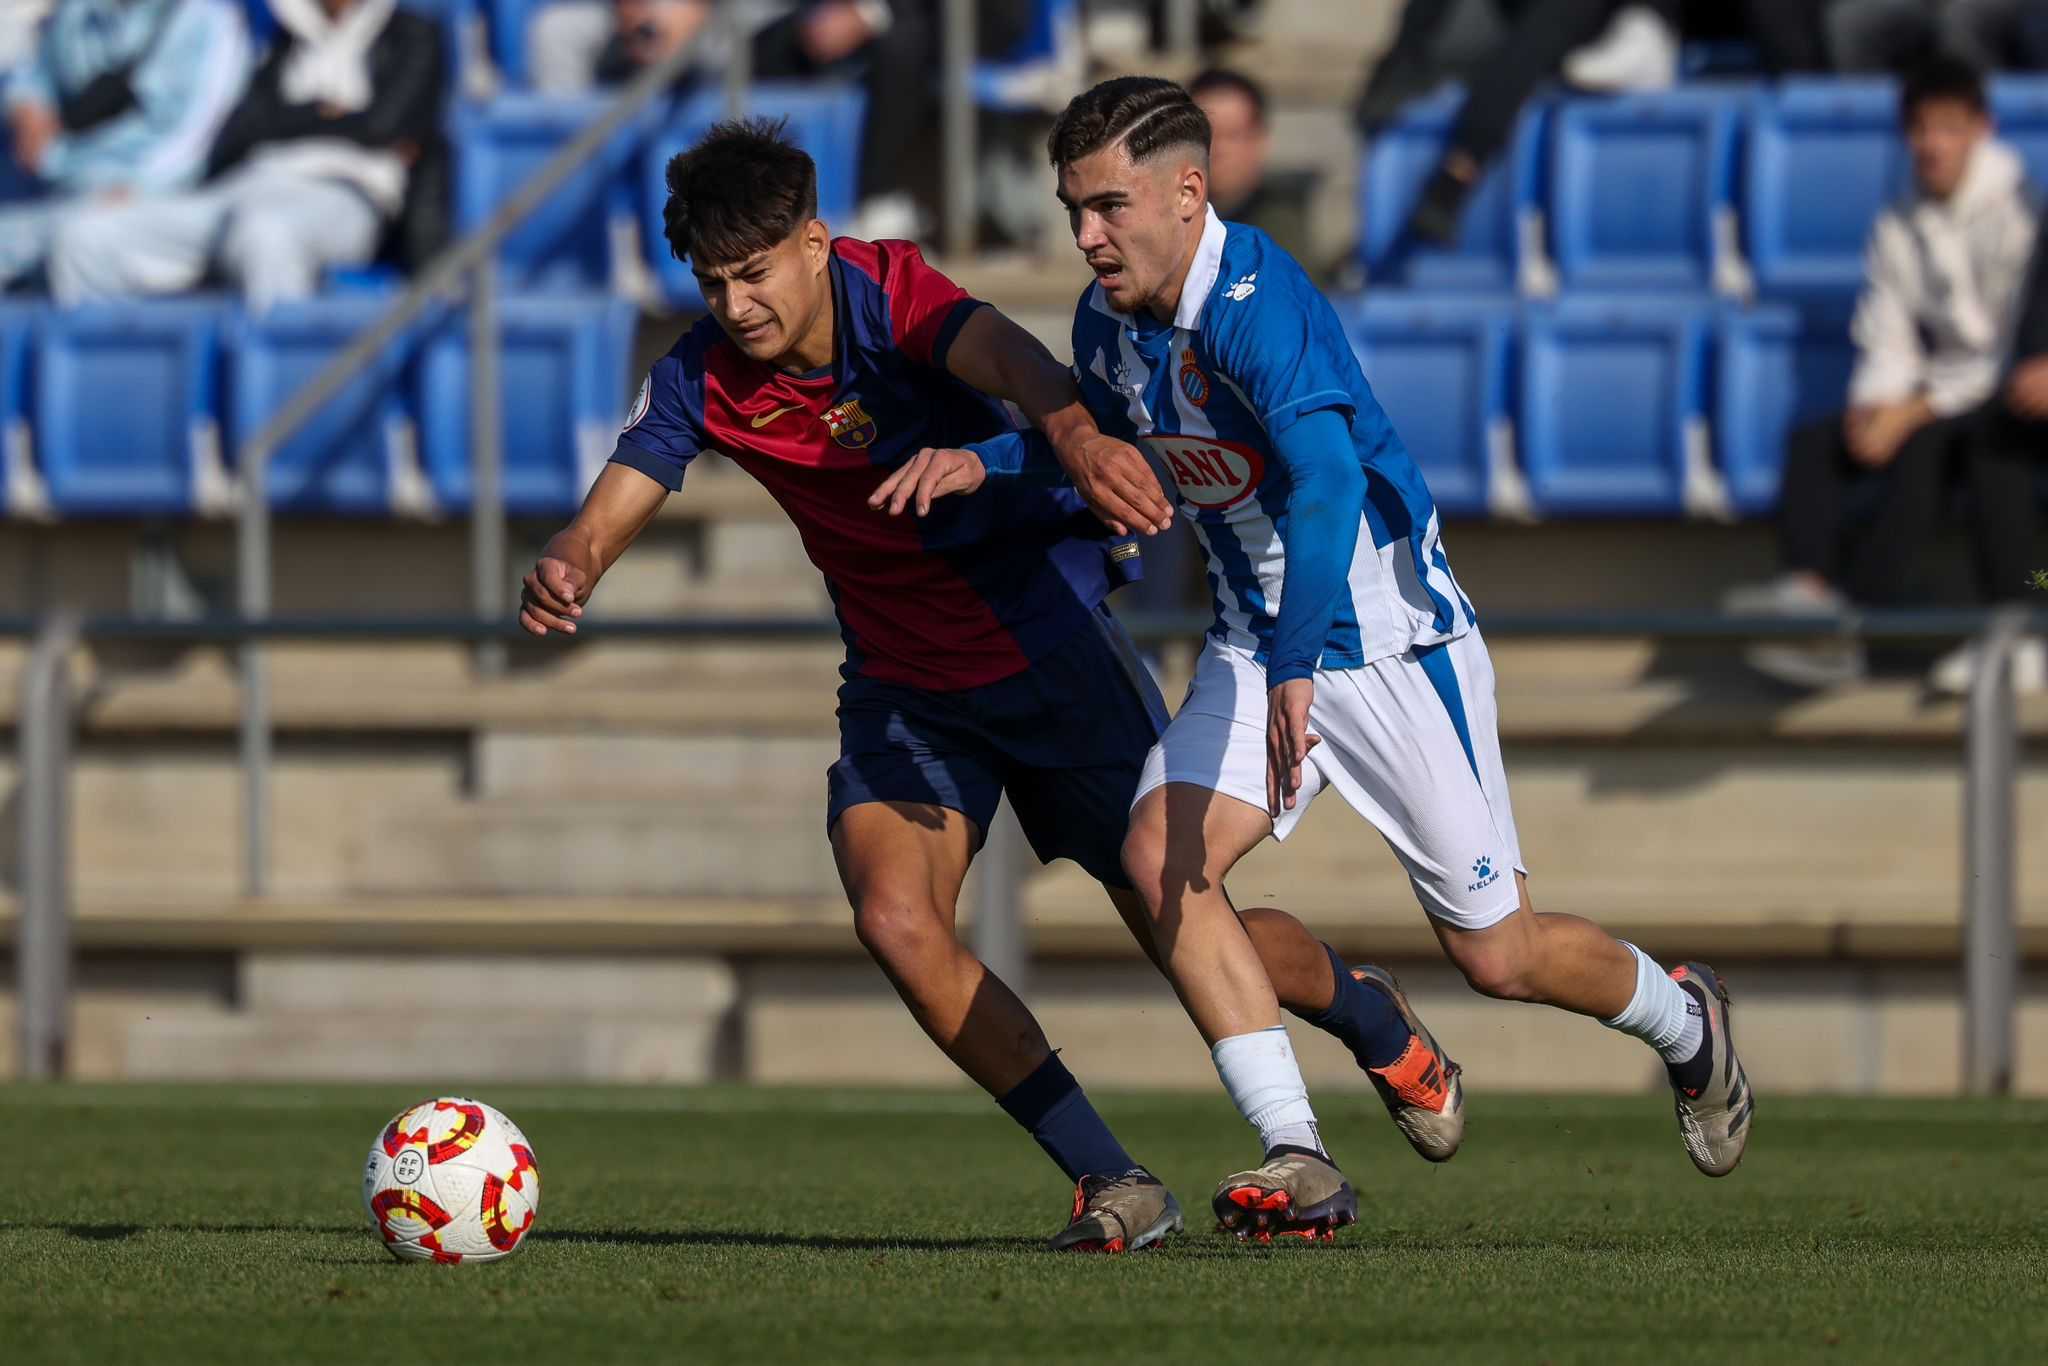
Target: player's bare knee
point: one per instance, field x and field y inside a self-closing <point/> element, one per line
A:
<point x="1144" y="858"/>
<point x="1496" y="971"/>
<point x="894" y="927"/>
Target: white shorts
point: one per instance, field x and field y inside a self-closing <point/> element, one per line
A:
<point x="1413" y="743"/>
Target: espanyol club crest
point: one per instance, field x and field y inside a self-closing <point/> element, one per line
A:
<point x="850" y="425"/>
<point x="1213" y="475"/>
<point x="1193" y="382"/>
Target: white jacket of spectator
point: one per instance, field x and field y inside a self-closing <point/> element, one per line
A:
<point x="195" y="61"/>
<point x="1942" y="279"/>
<point x="329" y="64"/>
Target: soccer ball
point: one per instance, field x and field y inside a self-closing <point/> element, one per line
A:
<point x="451" y="1180"/>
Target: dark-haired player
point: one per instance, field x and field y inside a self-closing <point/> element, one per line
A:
<point x="980" y="657"/>
<point x="1343" y="654"/>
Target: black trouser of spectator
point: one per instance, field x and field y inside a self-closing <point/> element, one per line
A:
<point x="2005" y="459"/>
<point x="898" y="143"/>
<point x="1545" y="32"/>
<point x="1995" y="457"/>
<point x="1869" y="558"/>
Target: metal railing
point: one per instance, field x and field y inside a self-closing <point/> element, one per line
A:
<point x="1991" y="754"/>
<point x="469" y="265"/>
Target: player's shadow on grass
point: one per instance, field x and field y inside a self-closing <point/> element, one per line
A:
<point x="114" y="1233"/>
<point x="814" y="1242"/>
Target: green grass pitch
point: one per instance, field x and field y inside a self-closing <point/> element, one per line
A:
<point x="222" y="1225"/>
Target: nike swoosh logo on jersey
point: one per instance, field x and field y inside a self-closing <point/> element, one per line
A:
<point x="764" y="419"/>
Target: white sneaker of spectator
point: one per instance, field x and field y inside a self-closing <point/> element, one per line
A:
<point x="1956" y="671"/>
<point x="1800" y="663"/>
<point x="1639" y="51"/>
<point x="886" y="217"/>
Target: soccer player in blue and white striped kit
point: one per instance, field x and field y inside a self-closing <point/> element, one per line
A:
<point x="1343" y="653"/>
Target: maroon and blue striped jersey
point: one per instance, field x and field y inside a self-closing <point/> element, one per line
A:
<point x="969" y="595"/>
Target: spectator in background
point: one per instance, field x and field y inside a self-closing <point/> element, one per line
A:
<point x="1892" y="35"/>
<point x="1243" y="185"/>
<point x="19" y="22"/>
<point x="1542" y="36"/>
<point x="2006" y="463"/>
<point x="575" y="45"/>
<point x="1944" y="275"/>
<point x="310" y="171"/>
<point x="121" y="98"/>
<point x="894" y="46"/>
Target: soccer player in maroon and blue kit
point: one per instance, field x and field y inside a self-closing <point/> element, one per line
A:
<point x="980" y="658"/>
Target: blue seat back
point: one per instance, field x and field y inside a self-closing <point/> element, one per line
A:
<point x="568" y="242"/>
<point x="342" y="459"/>
<point x="1398" y="164"/>
<point x="2020" y="104"/>
<point x="509" y="22"/>
<point x="1824" y="158"/>
<point x="825" y="120"/>
<point x="19" y="324"/>
<point x="1609" y="393"/>
<point x="1778" y="368"/>
<point x="1439" y="366"/>
<point x="563" y="389"/>
<point x="1635" y="186"/>
<point x="123" y="395"/>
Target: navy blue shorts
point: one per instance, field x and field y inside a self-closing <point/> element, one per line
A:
<point x="1065" y="739"/>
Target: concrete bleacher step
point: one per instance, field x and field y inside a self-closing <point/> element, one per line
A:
<point x="379" y="1016"/>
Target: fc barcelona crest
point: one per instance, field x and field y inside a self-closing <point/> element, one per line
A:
<point x="1193" y="382"/>
<point x="850" y="425"/>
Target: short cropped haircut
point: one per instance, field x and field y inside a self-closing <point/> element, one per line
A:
<point x="1145" y="113"/>
<point x="1942" y="77"/>
<point x="744" y="188"/>
<point x="1225" y="80"/>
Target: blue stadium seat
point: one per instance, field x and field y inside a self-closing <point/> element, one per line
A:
<point x="1488" y="254"/>
<point x="1033" y="76"/>
<point x="508" y="23"/>
<point x="348" y="457"/>
<point x="571" y="241"/>
<point x="564" y="387"/>
<point x="127" y="408"/>
<point x="824" y="119"/>
<point x="1637" y="185"/>
<point x="1824" y="157"/>
<point x="1777" y="369"/>
<point x="1439" y="366"/>
<point x="2021" y="105"/>
<point x="1612" y="404"/>
<point x="20" y="488"/>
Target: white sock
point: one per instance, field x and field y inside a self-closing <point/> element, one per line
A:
<point x="1661" y="1013"/>
<point x="1264" y="1082"/>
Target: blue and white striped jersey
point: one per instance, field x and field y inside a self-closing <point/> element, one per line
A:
<point x="1253" y="362"/>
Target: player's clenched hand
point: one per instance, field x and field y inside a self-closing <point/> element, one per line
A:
<point x="928" y="475"/>
<point x="1120" y="487"/>
<point x="552" y="595"/>
<point x="1288" y="742"/>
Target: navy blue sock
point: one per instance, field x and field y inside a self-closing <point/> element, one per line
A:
<point x="1363" y="1019"/>
<point x="1051" y="1104"/>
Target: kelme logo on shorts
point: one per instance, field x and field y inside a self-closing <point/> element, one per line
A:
<point x="1483" y="870"/>
<point x="1213" y="475"/>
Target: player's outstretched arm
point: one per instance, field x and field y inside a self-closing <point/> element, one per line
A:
<point x="619" y="506"/>
<point x="1001" y="359"/>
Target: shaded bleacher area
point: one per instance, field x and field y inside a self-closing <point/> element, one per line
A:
<point x="198" y="376"/>
<point x="1648" y="293"/>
